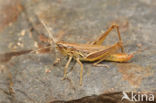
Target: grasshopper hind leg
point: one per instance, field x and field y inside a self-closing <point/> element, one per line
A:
<point x="100" y="39"/>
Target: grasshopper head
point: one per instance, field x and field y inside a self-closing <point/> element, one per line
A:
<point x="61" y="47"/>
<point x="64" y="48"/>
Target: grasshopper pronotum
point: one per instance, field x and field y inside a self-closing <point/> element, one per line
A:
<point x="91" y="52"/>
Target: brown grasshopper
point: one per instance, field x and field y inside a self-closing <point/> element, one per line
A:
<point x="92" y="52"/>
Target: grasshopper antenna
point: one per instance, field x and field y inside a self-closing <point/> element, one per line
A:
<point x="51" y="36"/>
<point x="52" y="41"/>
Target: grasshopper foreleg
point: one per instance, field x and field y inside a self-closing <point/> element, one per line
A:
<point x="66" y="67"/>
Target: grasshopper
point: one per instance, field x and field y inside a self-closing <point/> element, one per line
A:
<point x="92" y="52"/>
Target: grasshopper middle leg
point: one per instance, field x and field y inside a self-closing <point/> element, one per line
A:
<point x="101" y="65"/>
<point x="81" y="72"/>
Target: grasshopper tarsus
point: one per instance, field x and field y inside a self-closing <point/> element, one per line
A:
<point x="57" y="60"/>
<point x="64" y="78"/>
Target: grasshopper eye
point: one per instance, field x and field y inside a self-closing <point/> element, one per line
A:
<point x="59" y="45"/>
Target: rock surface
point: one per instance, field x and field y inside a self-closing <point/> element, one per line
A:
<point x="31" y="78"/>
